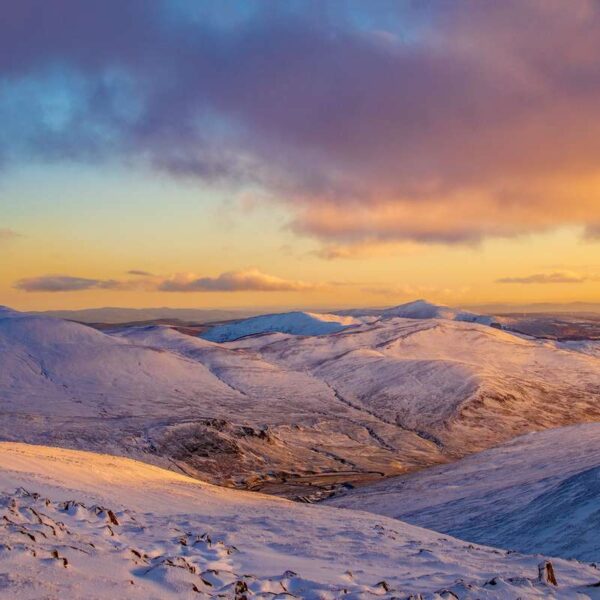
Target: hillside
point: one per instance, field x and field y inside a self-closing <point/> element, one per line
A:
<point x="117" y="315"/>
<point x="537" y="493"/>
<point x="463" y="386"/>
<point x="179" y="401"/>
<point x="83" y="525"/>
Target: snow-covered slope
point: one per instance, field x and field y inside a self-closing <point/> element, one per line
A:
<point x="156" y="394"/>
<point x="50" y="367"/>
<point x="310" y="428"/>
<point x="537" y="493"/>
<point x="463" y="386"/>
<point x="81" y="525"/>
<point x="295" y="323"/>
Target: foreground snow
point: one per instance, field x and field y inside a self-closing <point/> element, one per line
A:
<point x="537" y="493"/>
<point x="82" y="525"/>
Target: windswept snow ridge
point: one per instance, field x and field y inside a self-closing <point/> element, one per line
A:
<point x="81" y="525"/>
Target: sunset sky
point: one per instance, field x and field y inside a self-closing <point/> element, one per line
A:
<point x="298" y="154"/>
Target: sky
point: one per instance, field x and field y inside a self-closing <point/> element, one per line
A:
<point x="287" y="153"/>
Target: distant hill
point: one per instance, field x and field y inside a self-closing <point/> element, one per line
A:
<point x="117" y="315"/>
<point x="296" y="323"/>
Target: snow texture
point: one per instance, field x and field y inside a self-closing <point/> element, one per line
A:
<point x="82" y="525"/>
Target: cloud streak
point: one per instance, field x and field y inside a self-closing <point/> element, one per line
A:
<point x="545" y="278"/>
<point x="65" y="283"/>
<point x="7" y="234"/>
<point x="250" y="280"/>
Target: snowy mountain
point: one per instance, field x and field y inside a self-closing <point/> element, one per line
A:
<point x="421" y="309"/>
<point x="303" y="411"/>
<point x="83" y="525"/>
<point x="537" y="493"/>
<point x="295" y="323"/>
<point x="293" y="415"/>
<point x="183" y="402"/>
<point x="53" y="368"/>
<point x="312" y="324"/>
<point x="461" y="386"/>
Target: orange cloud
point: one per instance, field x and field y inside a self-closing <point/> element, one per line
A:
<point x="462" y="216"/>
<point x="233" y="281"/>
<point x="556" y="277"/>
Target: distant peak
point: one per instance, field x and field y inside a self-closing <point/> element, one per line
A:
<point x="293" y="323"/>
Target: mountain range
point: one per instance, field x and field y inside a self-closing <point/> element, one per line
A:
<point x="431" y="419"/>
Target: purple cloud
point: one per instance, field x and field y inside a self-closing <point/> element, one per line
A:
<point x="62" y="283"/>
<point x="474" y="127"/>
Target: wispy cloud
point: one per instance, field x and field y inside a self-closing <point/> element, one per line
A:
<point x="417" y="291"/>
<point x="64" y="283"/>
<point x="366" y="249"/>
<point x="7" y="234"/>
<point x="139" y="273"/>
<point x="544" y="278"/>
<point x="592" y="232"/>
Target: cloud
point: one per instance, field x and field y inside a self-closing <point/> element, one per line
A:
<point x="67" y="283"/>
<point x="427" y="122"/>
<point x="58" y="283"/>
<point x="234" y="281"/>
<point x="7" y="234"/>
<point x="556" y="277"/>
<point x="138" y="273"/>
<point x="592" y="232"/>
<point x="366" y="249"/>
<point x="417" y="291"/>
